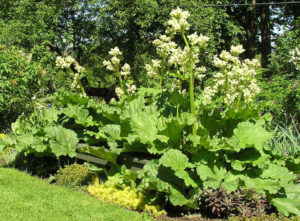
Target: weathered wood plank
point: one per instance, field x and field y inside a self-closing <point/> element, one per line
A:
<point x="132" y="161"/>
<point x="92" y="159"/>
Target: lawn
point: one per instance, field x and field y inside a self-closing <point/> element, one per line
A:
<point x="23" y="197"/>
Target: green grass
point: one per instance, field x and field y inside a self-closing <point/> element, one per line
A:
<point x="23" y="197"/>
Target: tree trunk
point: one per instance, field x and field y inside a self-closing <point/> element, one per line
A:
<point x="265" y="35"/>
<point x="296" y="12"/>
<point x="251" y="31"/>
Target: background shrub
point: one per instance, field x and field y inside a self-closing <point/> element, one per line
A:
<point x="20" y="79"/>
<point x="281" y="97"/>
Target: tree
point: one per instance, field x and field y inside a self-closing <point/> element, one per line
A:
<point x="265" y="30"/>
<point x="251" y="17"/>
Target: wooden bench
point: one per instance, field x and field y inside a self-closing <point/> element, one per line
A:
<point x="133" y="161"/>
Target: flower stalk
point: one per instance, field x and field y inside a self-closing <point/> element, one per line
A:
<point x="191" y="85"/>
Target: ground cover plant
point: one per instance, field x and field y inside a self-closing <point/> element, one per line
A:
<point x="206" y="137"/>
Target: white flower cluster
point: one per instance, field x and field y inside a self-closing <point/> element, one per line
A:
<point x="178" y="21"/>
<point x="125" y="70"/>
<point x="182" y="59"/>
<point x="172" y="54"/>
<point x="66" y="63"/>
<point x="131" y="88"/>
<point x="119" y="92"/>
<point x="176" y="85"/>
<point x="237" y="50"/>
<point x="196" y="39"/>
<point x="113" y="64"/>
<point x="115" y="52"/>
<point x="164" y="45"/>
<point x="75" y="84"/>
<point x="235" y="78"/>
<point x="153" y="69"/>
<point x="199" y="72"/>
<point x="295" y="57"/>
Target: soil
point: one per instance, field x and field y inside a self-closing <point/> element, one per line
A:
<point x="196" y="217"/>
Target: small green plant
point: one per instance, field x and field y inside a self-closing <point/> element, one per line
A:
<point x="287" y="139"/>
<point x="73" y="175"/>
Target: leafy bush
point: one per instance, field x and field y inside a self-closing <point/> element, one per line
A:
<point x="281" y="98"/>
<point x="20" y="79"/>
<point x="281" y="91"/>
<point x="222" y="204"/>
<point x="73" y="175"/>
<point x="281" y="60"/>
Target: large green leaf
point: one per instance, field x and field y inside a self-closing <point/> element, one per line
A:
<point x="239" y="161"/>
<point x="110" y="112"/>
<point x="204" y="157"/>
<point x="113" y="131"/>
<point x="62" y="141"/>
<point x="74" y="99"/>
<point x="177" y="198"/>
<point x="149" y="91"/>
<point x="143" y="120"/>
<point x="287" y="206"/>
<point x="145" y="123"/>
<point x="175" y="159"/>
<point x="263" y="185"/>
<point x="186" y="177"/>
<point x="282" y="174"/>
<point x="248" y="134"/>
<point x="51" y="115"/>
<point x="231" y="182"/>
<point x="212" y="175"/>
<point x="175" y="126"/>
<point x="149" y="178"/>
<point x="174" y="129"/>
<point x="26" y="141"/>
<point x="80" y="115"/>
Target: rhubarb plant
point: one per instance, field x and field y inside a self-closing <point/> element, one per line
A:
<point x="210" y="140"/>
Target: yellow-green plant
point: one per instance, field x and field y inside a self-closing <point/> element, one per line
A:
<point x="123" y="195"/>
